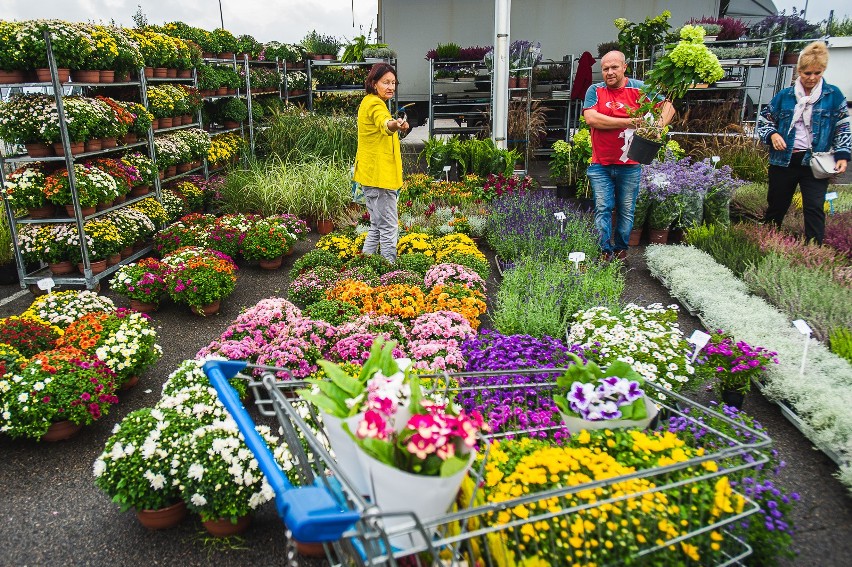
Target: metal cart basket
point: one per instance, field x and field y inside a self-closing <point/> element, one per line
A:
<point x="318" y="502"/>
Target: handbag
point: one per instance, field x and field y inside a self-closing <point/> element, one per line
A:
<point x="823" y="164"/>
<point x="357" y="189"/>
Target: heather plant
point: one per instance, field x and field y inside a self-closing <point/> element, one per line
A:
<point x="749" y="201"/>
<point x="540" y="299"/>
<point x="310" y="286"/>
<point x="838" y="233"/>
<point x="840" y="341"/>
<point x="802" y="293"/>
<point x="315" y="258"/>
<point x="728" y="246"/>
<point x="799" y="253"/>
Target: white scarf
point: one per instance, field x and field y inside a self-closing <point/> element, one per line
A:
<point x="804" y="103"/>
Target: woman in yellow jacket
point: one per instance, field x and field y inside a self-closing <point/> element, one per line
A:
<point x="378" y="163"/>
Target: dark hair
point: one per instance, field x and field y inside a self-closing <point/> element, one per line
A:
<point x="377" y="71"/>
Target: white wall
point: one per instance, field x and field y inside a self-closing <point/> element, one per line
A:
<point x="413" y="27"/>
<point x="839" y="63"/>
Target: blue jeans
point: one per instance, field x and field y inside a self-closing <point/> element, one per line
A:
<point x="615" y="187"/>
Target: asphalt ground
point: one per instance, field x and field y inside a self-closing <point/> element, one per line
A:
<point x="53" y="514"/>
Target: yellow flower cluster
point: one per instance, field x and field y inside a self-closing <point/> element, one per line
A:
<point x="398" y="300"/>
<point x="345" y="247"/>
<point x="626" y="516"/>
<point x="357" y="293"/>
<point x="224" y="147"/>
<point x="416" y="242"/>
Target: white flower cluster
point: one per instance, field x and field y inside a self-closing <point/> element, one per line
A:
<point x="121" y="351"/>
<point x="64" y="307"/>
<point x="647" y="338"/>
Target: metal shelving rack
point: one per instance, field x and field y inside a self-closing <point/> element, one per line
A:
<point x="311" y="63"/>
<point x="466" y="106"/>
<point x="564" y="115"/>
<point x="241" y="128"/>
<point x="88" y="279"/>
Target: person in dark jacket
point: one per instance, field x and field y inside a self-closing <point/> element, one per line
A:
<point x="811" y="116"/>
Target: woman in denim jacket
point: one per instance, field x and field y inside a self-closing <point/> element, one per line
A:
<point x="811" y="116"/>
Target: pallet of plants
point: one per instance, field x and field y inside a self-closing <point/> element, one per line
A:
<point x="677" y="491"/>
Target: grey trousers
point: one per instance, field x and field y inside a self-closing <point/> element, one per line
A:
<point x="384" y="222"/>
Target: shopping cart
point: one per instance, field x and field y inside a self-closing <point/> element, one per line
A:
<point x="319" y="503"/>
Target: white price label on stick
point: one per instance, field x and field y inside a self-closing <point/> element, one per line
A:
<point x="802" y="327"/>
<point x="46" y="284"/>
<point x="831" y="196"/>
<point x="700" y="340"/>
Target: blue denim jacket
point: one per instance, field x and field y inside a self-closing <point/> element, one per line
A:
<point x="829" y="125"/>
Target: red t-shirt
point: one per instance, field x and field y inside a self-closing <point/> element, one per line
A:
<point x="607" y="144"/>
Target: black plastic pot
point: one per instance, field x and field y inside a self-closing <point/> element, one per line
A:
<point x="643" y="150"/>
<point x="733" y="398"/>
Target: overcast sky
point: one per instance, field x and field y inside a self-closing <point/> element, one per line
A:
<point x="817" y="9"/>
<point x="266" y="20"/>
<point x="282" y="20"/>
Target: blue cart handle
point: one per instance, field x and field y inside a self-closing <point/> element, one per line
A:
<point x="310" y="512"/>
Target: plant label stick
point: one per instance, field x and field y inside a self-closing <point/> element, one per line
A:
<point x="805" y="329"/>
<point x="560" y="216"/>
<point x="447" y="172"/>
<point x="46" y="284"/>
<point x="577" y="257"/>
<point x="700" y="340"/>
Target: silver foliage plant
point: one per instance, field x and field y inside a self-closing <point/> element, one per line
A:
<point x="822" y="400"/>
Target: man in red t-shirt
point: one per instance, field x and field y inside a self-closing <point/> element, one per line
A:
<point x="614" y="177"/>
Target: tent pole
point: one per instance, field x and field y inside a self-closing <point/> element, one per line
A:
<point x="500" y="92"/>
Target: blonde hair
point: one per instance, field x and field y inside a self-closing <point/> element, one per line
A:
<point x="815" y="55"/>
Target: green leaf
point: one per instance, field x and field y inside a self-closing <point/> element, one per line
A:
<point x="323" y="403"/>
<point x="452" y="466"/>
<point x="561" y="402"/>
<point x="635" y="411"/>
<point x="380" y="450"/>
<point x="344" y="381"/>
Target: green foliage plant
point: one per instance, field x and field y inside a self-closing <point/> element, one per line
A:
<point x="315" y="258"/>
<point x="332" y="311"/>
<point x="840" y="340"/>
<point x="728" y="246"/>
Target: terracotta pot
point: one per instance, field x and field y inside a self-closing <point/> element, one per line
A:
<point x="119" y="200"/>
<point x="166" y="122"/>
<point x="310" y="549"/>
<point x="86" y="211"/>
<point x="129" y="383"/>
<point x="11" y="77"/>
<point x="43" y="212"/>
<point x="184" y="74"/>
<point x="143" y="306"/>
<point x="774" y="59"/>
<point x="523" y="82"/>
<point x="97" y="266"/>
<point x="75" y="147"/>
<point x="114" y="259"/>
<point x="39" y="149"/>
<point x="43" y="75"/>
<point x="127" y="252"/>
<point x="635" y="237"/>
<point x="87" y="76"/>
<point x="325" y="226"/>
<point x="231" y="124"/>
<point x="107" y="76"/>
<point x="225" y="528"/>
<point x="226" y="55"/>
<point x="104" y="206"/>
<point x="657" y="236"/>
<point x="109" y="143"/>
<point x="161" y="73"/>
<point x="791" y="58"/>
<point x="61" y="268"/>
<point x="171" y="171"/>
<point x="163" y="518"/>
<point x="208" y="309"/>
<point x="149" y="72"/>
<point x="60" y="431"/>
<point x="290" y="251"/>
<point x="139" y="246"/>
<point x="94" y="145"/>
<point x="161" y="174"/>
<point x="272" y="264"/>
<point x="183" y="167"/>
<point x="140" y="190"/>
<point x="222" y="91"/>
<point x="172" y="73"/>
<point x="129" y="138"/>
<point x="207" y="55"/>
<point x="513" y="82"/>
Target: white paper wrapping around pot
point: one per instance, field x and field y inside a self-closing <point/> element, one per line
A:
<point x="394" y="490"/>
<point x="345" y="450"/>
<point x="574" y="423"/>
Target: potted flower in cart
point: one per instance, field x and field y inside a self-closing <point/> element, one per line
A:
<point x="142" y="120"/>
<point x="735" y="364"/>
<point x="683" y="65"/>
<point x="58" y="392"/>
<point x="142" y="282"/>
<point x="135" y="468"/>
<point x="603" y="399"/>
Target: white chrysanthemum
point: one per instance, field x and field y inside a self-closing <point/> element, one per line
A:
<point x="198" y="500"/>
<point x="99" y="468"/>
<point x="196" y="471"/>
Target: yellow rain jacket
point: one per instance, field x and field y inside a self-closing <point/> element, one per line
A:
<point x="378" y="162"/>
